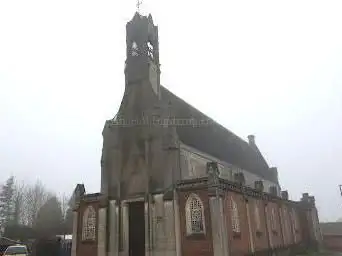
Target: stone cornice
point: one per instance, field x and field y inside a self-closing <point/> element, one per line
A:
<point x="225" y="185"/>
<point x="92" y="197"/>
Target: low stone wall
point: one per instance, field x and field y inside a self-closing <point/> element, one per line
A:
<point x="332" y="242"/>
<point x="292" y="250"/>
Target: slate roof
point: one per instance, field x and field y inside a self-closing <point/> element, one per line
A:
<point x="331" y="228"/>
<point x="214" y="139"/>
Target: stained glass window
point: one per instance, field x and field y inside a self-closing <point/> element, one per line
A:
<point x="89" y="224"/>
<point x="194" y="215"/>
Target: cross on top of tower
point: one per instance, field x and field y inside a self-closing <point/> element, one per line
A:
<point x="139" y="2"/>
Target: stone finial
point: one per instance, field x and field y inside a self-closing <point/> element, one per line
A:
<point x="213" y="172"/>
<point x="251" y="139"/>
<point x="239" y="178"/>
<point x="274" y="172"/>
<point x="273" y="190"/>
<point x="311" y="200"/>
<point x="285" y="195"/>
<point x="259" y="185"/>
<point x="305" y="197"/>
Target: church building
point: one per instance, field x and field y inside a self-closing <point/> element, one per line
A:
<point x="175" y="182"/>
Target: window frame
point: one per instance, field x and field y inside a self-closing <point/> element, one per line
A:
<point x="189" y="212"/>
<point x="89" y="219"/>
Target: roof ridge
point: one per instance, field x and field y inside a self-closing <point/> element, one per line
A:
<point x="205" y="115"/>
<point x="215" y="139"/>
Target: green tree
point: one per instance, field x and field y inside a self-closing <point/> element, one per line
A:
<point x="7" y="206"/>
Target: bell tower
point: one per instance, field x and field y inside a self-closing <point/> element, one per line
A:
<point x="142" y="61"/>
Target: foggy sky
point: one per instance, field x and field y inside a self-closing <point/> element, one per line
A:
<point x="268" y="68"/>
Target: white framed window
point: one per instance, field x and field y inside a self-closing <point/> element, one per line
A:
<point x="89" y="224"/>
<point x="235" y="216"/>
<point x="257" y="216"/>
<point x="273" y="220"/>
<point x="194" y="212"/>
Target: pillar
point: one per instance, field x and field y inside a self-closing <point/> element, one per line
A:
<point x="169" y="229"/>
<point x="113" y="229"/>
<point x="74" y="233"/>
<point x="101" y="232"/>
<point x="125" y="228"/>
<point x="218" y="225"/>
<point x="159" y="226"/>
<point x="177" y="223"/>
<point x="148" y="245"/>
<point x="268" y="227"/>
<point x="251" y="237"/>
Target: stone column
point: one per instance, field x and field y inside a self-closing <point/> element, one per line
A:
<point x="113" y="229"/>
<point x="292" y="217"/>
<point x="251" y="237"/>
<point x="125" y="229"/>
<point x="169" y="229"/>
<point x="268" y="227"/>
<point x="218" y="226"/>
<point x="101" y="232"/>
<point x="159" y="241"/>
<point x="177" y="223"/>
<point x="147" y="229"/>
<point x="74" y="233"/>
<point x="282" y="222"/>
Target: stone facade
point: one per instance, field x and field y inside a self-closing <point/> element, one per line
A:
<point x="166" y="233"/>
<point x="166" y="189"/>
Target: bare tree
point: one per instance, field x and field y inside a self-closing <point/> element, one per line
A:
<point x="18" y="198"/>
<point x="35" y="197"/>
<point x="6" y="202"/>
<point x="64" y="201"/>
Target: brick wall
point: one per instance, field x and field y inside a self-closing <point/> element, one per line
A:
<point x="200" y="245"/>
<point x="260" y="235"/>
<point x="86" y="248"/>
<point x="277" y="230"/>
<point x="239" y="243"/>
<point x="332" y="242"/>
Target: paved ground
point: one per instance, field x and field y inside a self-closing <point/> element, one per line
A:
<point x="324" y="254"/>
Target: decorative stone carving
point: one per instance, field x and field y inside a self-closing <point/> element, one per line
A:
<point x="259" y="185"/>
<point x="213" y="173"/>
<point x="285" y="195"/>
<point x="239" y="178"/>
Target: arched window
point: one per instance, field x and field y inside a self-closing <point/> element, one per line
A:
<point x="135" y="49"/>
<point x="257" y="217"/>
<point x="235" y="216"/>
<point x="194" y="212"/>
<point x="89" y="224"/>
<point x="150" y="49"/>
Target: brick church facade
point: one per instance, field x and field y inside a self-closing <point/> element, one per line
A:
<point x="175" y="182"/>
